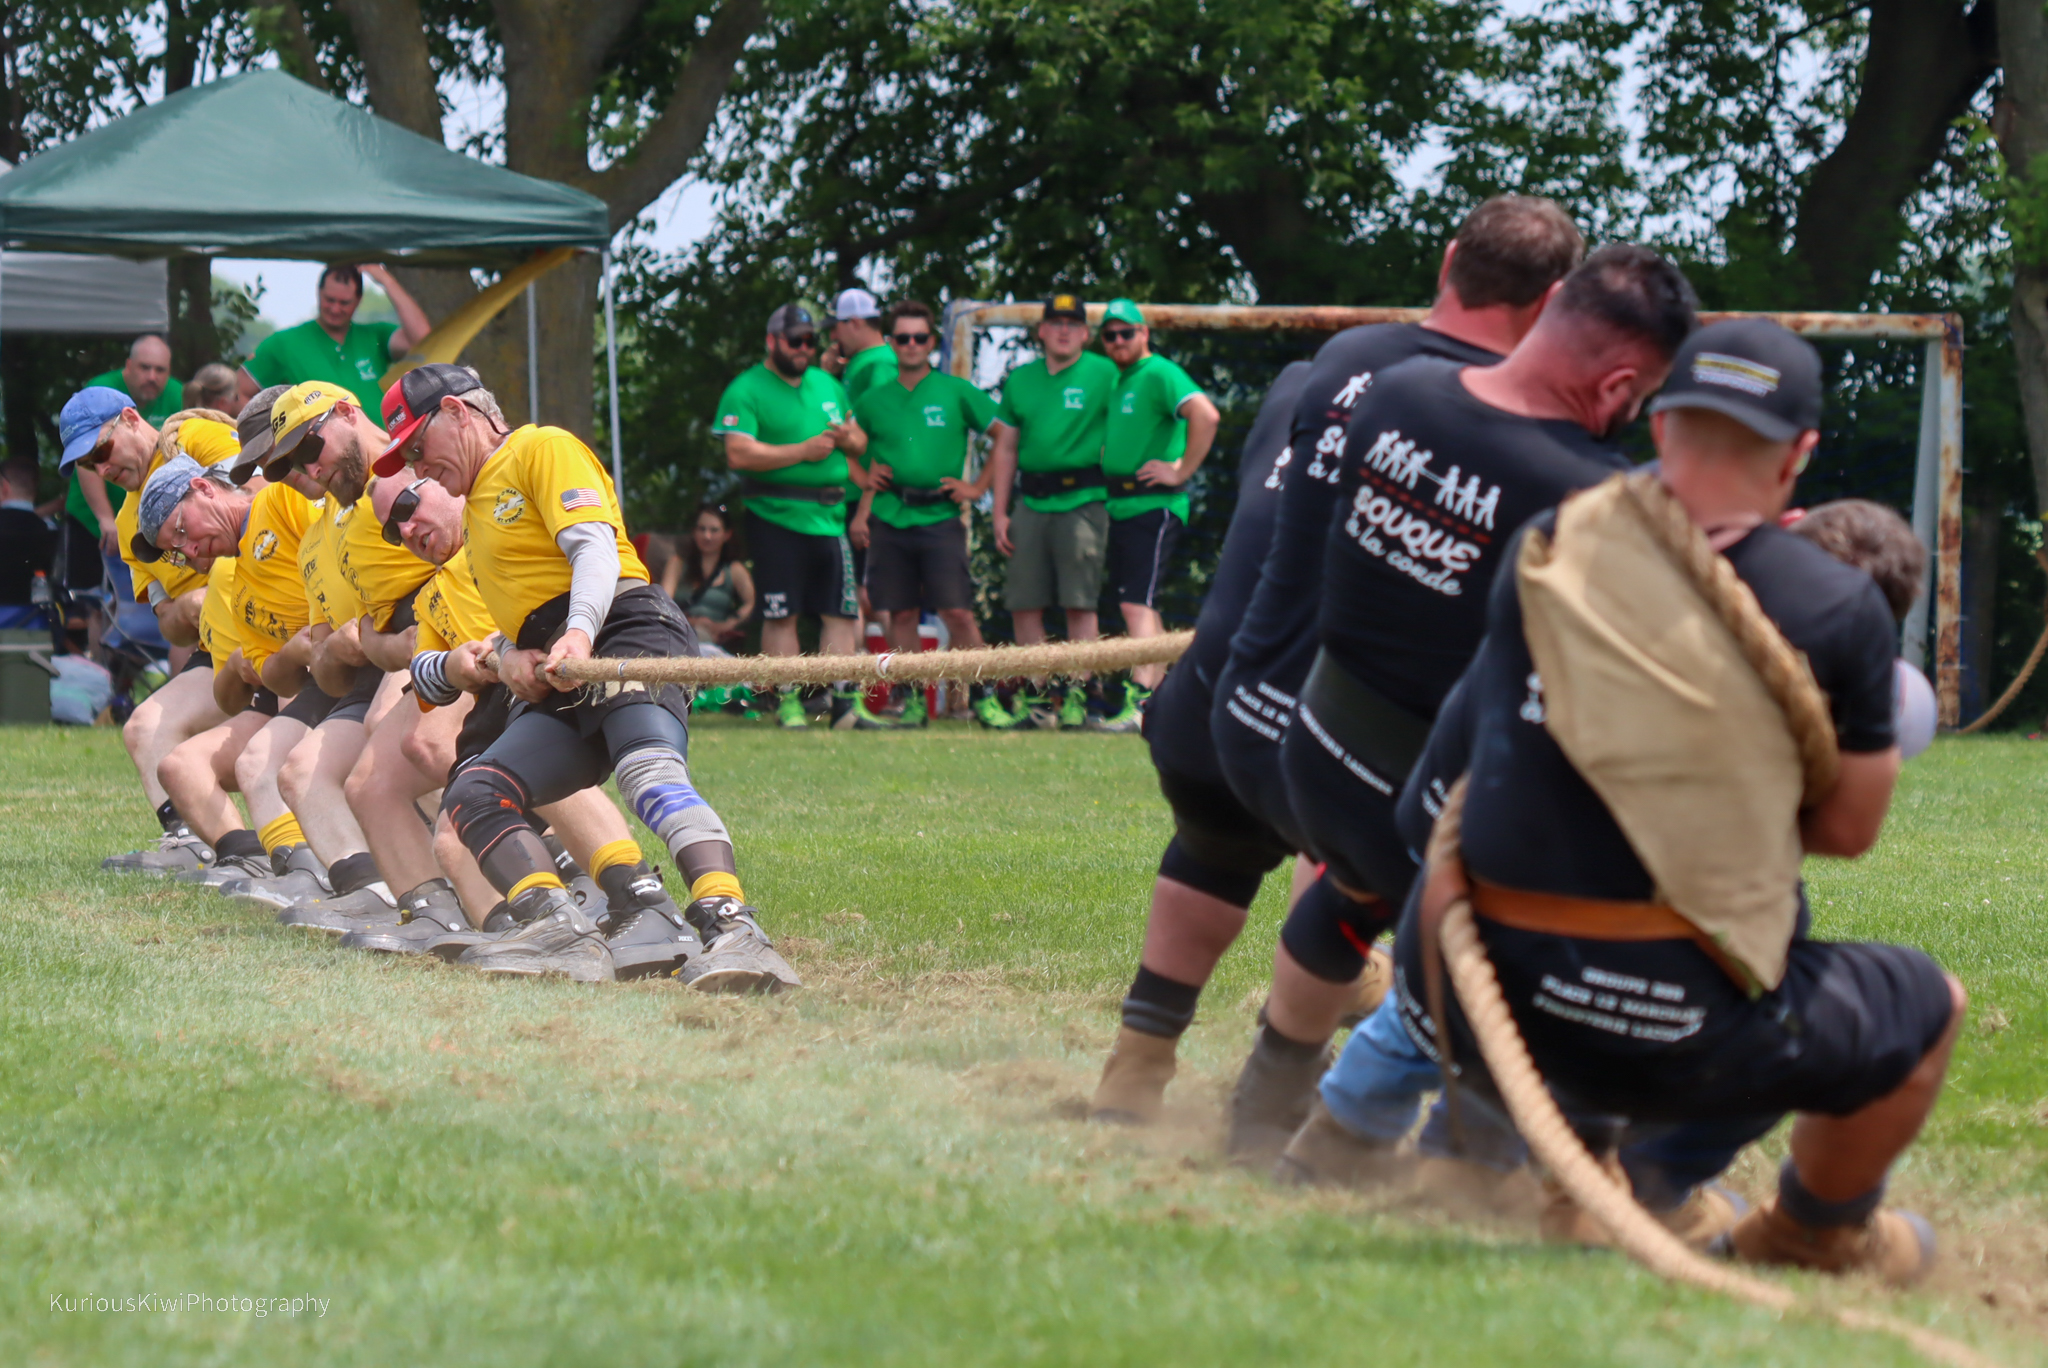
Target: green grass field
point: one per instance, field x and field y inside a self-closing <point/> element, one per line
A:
<point x="886" y="1168"/>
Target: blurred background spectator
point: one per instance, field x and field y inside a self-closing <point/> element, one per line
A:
<point x="708" y="581"/>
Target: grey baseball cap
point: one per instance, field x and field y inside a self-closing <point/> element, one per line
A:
<point x="160" y="497"/>
<point x="791" y="318"/>
<point x="253" y="428"/>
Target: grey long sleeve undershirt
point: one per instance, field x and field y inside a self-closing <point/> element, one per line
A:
<point x="593" y="552"/>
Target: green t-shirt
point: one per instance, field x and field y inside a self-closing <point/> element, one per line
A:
<point x="1145" y="425"/>
<point x="1059" y="421"/>
<point x="167" y="403"/>
<point x="293" y="356"/>
<point x="921" y="435"/>
<point x="769" y="409"/>
<point x="867" y="368"/>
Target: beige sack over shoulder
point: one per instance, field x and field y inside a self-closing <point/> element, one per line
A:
<point x="1666" y="712"/>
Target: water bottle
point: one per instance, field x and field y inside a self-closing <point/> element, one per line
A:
<point x="39" y="592"/>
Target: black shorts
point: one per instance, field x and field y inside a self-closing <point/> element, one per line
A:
<point x="309" y="705"/>
<point x="1212" y="826"/>
<point x="1345" y="811"/>
<point x="263" y="702"/>
<point x="1140" y="549"/>
<point x="796" y="573"/>
<point x="354" y="706"/>
<point x="484" y="724"/>
<point x="1657" y="1031"/>
<point x="1246" y="726"/>
<point x="200" y="659"/>
<point x="910" y="568"/>
<point x="643" y="623"/>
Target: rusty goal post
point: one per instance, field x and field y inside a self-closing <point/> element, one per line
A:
<point x="1937" y="512"/>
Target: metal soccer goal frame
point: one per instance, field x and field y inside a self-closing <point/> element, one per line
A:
<point x="1937" y="513"/>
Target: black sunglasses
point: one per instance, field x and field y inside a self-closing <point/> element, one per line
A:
<point x="909" y="339"/>
<point x="1118" y="334"/>
<point x="800" y="341"/>
<point x="305" y="453"/>
<point x="402" y="508"/>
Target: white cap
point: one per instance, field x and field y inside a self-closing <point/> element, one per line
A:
<point x="856" y="304"/>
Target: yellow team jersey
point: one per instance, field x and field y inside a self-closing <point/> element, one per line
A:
<point x="218" y="634"/>
<point x="270" y="595"/>
<point x="382" y="574"/>
<point x="330" y="598"/>
<point x="539" y="482"/>
<point x="206" y="442"/>
<point x="451" y="609"/>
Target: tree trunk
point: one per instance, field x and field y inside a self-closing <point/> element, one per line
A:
<point x="1926" y="60"/>
<point x="2022" y="128"/>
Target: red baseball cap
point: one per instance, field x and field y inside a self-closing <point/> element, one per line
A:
<point x="415" y="398"/>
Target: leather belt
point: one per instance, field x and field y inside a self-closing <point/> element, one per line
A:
<point x="1600" y="919"/>
<point x="818" y="494"/>
<point x="1045" y="484"/>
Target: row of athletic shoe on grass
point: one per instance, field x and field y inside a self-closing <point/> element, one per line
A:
<point x="622" y="925"/>
<point x="1065" y="706"/>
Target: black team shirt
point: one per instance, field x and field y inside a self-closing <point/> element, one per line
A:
<point x="1438" y="482"/>
<point x="1276" y="642"/>
<point x="1532" y="822"/>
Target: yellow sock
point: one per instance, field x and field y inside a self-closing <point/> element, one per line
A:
<point x="282" y="832"/>
<point x="614" y="853"/>
<point x="547" y="878"/>
<point x="717" y="884"/>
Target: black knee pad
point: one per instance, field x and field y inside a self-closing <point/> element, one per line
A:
<point x="1328" y="932"/>
<point x="1233" y="886"/>
<point x="488" y="806"/>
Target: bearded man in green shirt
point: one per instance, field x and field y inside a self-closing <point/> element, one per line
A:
<point x="1159" y="431"/>
<point x="333" y="347"/>
<point x="918" y="422"/>
<point x="788" y="429"/>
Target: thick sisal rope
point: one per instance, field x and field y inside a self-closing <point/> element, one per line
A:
<point x="1536" y="1114"/>
<point x="986" y="663"/>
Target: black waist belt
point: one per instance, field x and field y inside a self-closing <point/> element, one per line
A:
<point x="1126" y="487"/>
<point x="545" y="624"/>
<point x="920" y="498"/>
<point x="822" y="494"/>
<point x="1381" y="734"/>
<point x="1044" y="484"/>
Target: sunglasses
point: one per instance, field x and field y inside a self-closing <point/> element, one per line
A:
<point x="416" y="449"/>
<point x="1118" y="334"/>
<point x="305" y="454"/>
<point x="910" y="339"/>
<point x="800" y="341"/>
<point x="402" y="508"/>
<point x="101" y="449"/>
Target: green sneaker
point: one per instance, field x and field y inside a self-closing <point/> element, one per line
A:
<point x="1131" y="718"/>
<point x="1074" y="708"/>
<point x="917" y="709"/>
<point x="789" y="710"/>
<point x="990" y="712"/>
<point x="852" y="715"/>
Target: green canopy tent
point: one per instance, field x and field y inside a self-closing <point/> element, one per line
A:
<point x="264" y="165"/>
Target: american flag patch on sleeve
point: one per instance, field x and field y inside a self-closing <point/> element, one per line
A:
<point x="573" y="499"/>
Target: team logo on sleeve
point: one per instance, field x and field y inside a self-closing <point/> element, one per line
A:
<point x="266" y="545"/>
<point x="573" y="499"/>
<point x="511" y="504"/>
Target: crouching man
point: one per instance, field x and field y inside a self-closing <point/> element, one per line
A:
<point x="1650" y="759"/>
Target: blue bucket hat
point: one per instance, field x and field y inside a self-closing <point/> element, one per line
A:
<point x="84" y="414"/>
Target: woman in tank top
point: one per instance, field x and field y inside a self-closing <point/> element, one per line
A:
<point x="707" y="580"/>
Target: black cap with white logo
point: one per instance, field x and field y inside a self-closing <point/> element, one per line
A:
<point x="1755" y="371"/>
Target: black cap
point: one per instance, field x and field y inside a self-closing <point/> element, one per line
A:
<point x="1066" y="308"/>
<point x="790" y="318"/>
<point x="1755" y="371"/>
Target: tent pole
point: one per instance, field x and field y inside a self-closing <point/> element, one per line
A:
<point x="611" y="352"/>
<point x="532" y="360"/>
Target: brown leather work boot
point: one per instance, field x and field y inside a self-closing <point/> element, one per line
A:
<point x="1462" y="1185"/>
<point x="1324" y="1153"/>
<point x="1703" y="1220"/>
<point x="1133" y="1087"/>
<point x="1897" y="1246"/>
<point x="1372" y="987"/>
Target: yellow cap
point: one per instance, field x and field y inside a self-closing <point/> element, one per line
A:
<point x="291" y="417"/>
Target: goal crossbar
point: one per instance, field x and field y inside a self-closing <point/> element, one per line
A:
<point x="1938" y="467"/>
